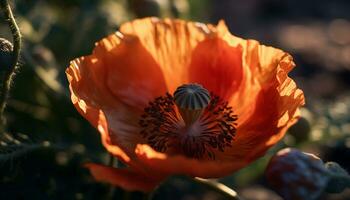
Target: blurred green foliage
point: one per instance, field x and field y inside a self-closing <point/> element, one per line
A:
<point x="47" y="141"/>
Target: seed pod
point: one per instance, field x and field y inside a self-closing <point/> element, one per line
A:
<point x="191" y="99"/>
<point x="192" y="96"/>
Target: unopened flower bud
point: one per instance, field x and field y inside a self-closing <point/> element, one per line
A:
<point x="6" y="49"/>
<point x="301" y="130"/>
<point x="144" y="8"/>
<point x="339" y="178"/>
<point x="179" y="7"/>
<point x="296" y="175"/>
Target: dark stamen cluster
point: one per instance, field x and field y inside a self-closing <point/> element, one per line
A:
<point x="159" y="122"/>
<point x="161" y="126"/>
<point x="219" y="129"/>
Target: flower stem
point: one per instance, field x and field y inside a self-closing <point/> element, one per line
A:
<point x="150" y="196"/>
<point x="111" y="162"/>
<point x="9" y="73"/>
<point x="219" y="187"/>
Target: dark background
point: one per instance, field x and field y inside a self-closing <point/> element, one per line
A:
<point x="47" y="140"/>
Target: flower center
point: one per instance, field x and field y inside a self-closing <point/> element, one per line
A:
<point x="192" y="122"/>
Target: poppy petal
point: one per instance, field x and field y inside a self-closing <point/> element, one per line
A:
<point x="171" y="42"/>
<point x="85" y="91"/>
<point x="133" y="75"/>
<point x="276" y="108"/>
<point x="104" y="87"/>
<point x="217" y="66"/>
<point x="268" y="101"/>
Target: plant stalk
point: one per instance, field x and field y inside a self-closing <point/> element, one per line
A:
<point x="218" y="187"/>
<point x="10" y="71"/>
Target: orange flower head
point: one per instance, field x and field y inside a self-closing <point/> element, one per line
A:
<point x="175" y="97"/>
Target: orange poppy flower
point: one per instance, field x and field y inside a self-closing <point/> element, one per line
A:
<point x="235" y="101"/>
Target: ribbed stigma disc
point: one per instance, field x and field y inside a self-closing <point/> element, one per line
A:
<point x="191" y="99"/>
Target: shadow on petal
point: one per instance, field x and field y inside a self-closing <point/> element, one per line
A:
<point x="166" y="165"/>
<point x="122" y="177"/>
<point x="217" y="66"/>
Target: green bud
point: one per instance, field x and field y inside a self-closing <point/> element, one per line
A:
<point x="6" y="56"/>
<point x="179" y="8"/>
<point x="301" y="130"/>
<point x="146" y="8"/>
<point x="296" y="175"/>
<point x="339" y="178"/>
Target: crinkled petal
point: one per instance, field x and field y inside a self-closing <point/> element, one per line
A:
<point x="267" y="103"/>
<point x="122" y="177"/>
<point x="170" y="42"/>
<point x="84" y="96"/>
<point x="272" y="117"/>
<point x="111" y="87"/>
<point x="217" y="66"/>
<point x="133" y="75"/>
